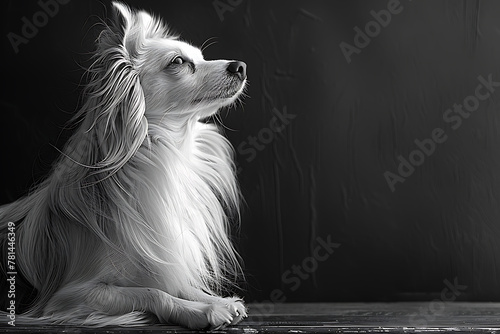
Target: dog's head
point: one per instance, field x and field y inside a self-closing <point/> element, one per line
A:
<point x="141" y="75"/>
<point x="174" y="76"/>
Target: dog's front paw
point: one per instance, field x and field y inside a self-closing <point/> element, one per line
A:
<point x="219" y="316"/>
<point x="226" y="311"/>
<point x="237" y="308"/>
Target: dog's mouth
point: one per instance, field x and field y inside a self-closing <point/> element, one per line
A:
<point x="216" y="101"/>
<point x="220" y="97"/>
<point x="213" y="98"/>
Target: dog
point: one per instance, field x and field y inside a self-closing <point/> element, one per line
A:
<point x="131" y="226"/>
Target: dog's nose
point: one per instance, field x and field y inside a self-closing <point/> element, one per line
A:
<point x="239" y="68"/>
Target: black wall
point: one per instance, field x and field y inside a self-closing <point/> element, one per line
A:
<point x="344" y="123"/>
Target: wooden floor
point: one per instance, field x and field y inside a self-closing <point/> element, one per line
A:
<point x="421" y="317"/>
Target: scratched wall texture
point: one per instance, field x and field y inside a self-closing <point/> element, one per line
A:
<point x="330" y="117"/>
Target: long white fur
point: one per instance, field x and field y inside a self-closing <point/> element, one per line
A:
<point x="133" y="219"/>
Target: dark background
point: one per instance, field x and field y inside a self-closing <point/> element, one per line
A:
<point x="322" y="176"/>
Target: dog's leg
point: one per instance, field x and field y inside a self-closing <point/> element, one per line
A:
<point x="234" y="304"/>
<point x="114" y="300"/>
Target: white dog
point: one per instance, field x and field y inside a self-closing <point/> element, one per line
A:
<point x="131" y="226"/>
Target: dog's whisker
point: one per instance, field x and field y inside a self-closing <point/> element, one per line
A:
<point x="204" y="46"/>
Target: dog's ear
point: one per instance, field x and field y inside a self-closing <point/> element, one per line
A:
<point x="123" y="21"/>
<point x="122" y="14"/>
<point x="115" y="99"/>
<point x="134" y="27"/>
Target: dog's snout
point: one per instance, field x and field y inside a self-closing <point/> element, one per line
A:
<point x="238" y="68"/>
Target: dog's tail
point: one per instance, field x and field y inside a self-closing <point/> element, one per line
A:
<point x="14" y="286"/>
<point x="12" y="216"/>
<point x="19" y="295"/>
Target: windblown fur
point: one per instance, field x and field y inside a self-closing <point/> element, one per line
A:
<point x="133" y="219"/>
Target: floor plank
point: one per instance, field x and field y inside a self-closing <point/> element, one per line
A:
<point x="411" y="317"/>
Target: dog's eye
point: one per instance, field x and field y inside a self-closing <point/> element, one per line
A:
<point x="178" y="60"/>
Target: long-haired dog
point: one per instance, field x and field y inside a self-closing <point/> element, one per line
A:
<point x="131" y="226"/>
